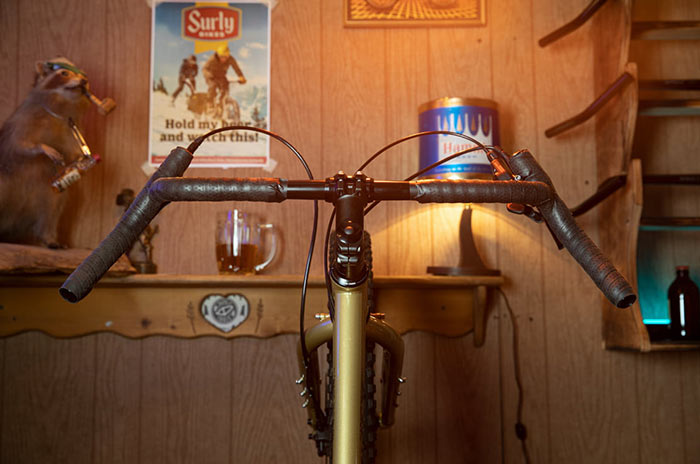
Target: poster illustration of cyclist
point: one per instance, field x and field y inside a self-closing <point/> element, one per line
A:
<point x="210" y="65"/>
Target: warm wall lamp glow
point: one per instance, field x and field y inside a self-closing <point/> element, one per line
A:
<point x="470" y="262"/>
<point x="477" y="118"/>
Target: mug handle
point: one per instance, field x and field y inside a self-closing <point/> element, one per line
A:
<point x="273" y="246"/>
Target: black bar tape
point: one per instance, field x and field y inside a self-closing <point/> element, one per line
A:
<point x="479" y="191"/>
<point x="236" y="189"/>
<point x="142" y="210"/>
<point x="559" y="218"/>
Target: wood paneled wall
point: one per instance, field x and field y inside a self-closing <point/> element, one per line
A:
<point x="664" y="146"/>
<point x="339" y="94"/>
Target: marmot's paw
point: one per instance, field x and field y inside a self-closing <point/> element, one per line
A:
<point x="52" y="154"/>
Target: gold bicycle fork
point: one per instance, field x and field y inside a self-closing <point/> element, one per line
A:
<point x="349" y="332"/>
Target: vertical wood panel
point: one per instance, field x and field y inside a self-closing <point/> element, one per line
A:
<point x="127" y="64"/>
<point x="460" y="66"/>
<point x="563" y="87"/>
<point x="412" y="438"/>
<point x="269" y="424"/>
<point x="468" y="412"/>
<point x="9" y="99"/>
<point x="468" y="417"/>
<point x="268" y="421"/>
<point x="586" y="405"/>
<point x="354" y="108"/>
<point x="409" y="240"/>
<point x="660" y="409"/>
<point x="117" y="428"/>
<point x="295" y="107"/>
<point x="667" y="383"/>
<point x="690" y="373"/>
<point x="186" y="400"/>
<point x="48" y="399"/>
<point x="3" y="382"/>
<point x="83" y="219"/>
<point x="520" y="240"/>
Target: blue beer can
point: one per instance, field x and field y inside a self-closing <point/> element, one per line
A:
<point x="475" y="117"/>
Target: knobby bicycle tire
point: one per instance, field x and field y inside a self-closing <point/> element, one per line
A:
<point x="369" y="420"/>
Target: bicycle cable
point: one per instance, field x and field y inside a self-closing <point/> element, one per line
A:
<point x="520" y="429"/>
<point x="417" y="135"/>
<point x="331" y="304"/>
<point x="428" y="168"/>
<point x="194" y="145"/>
<point x="479" y="146"/>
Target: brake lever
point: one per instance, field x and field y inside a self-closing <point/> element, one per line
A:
<point x="503" y="171"/>
<point x="525" y="210"/>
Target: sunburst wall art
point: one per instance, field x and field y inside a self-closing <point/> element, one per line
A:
<point x="415" y="13"/>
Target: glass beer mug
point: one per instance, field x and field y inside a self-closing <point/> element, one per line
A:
<point x="239" y="243"/>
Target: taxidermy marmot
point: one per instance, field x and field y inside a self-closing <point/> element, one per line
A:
<point x="36" y="143"/>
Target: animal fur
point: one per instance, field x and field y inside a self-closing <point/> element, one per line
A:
<point x="36" y="142"/>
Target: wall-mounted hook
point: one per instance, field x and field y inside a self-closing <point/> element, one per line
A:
<point x="598" y="103"/>
<point x="572" y="25"/>
<point x="612" y="184"/>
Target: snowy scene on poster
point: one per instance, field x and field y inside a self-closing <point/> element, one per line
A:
<point x="210" y="68"/>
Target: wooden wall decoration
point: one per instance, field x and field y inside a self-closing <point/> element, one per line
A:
<point x="422" y="13"/>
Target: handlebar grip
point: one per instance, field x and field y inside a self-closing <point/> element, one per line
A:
<point x="236" y="189"/>
<point x="478" y="191"/>
<point x="142" y="210"/>
<point x="558" y="216"/>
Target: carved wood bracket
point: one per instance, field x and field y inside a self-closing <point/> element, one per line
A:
<point x="229" y="306"/>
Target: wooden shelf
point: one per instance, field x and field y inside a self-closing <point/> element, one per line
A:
<point x="143" y="305"/>
<point x="654" y="224"/>
<point x="669" y="107"/>
<point x="28" y="259"/>
<point x="624" y="329"/>
<point x="669" y="346"/>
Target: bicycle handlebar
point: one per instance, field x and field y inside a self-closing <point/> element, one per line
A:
<point x="135" y="219"/>
<point x="166" y="185"/>
<point x="560" y="220"/>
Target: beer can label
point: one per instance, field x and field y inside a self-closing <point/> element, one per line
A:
<point x="475" y="118"/>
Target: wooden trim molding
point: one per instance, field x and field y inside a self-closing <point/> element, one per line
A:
<point x="191" y="306"/>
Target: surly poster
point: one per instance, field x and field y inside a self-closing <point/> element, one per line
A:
<point x="210" y="68"/>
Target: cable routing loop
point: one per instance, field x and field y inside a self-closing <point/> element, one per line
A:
<point x="488" y="149"/>
<point x="307" y="268"/>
